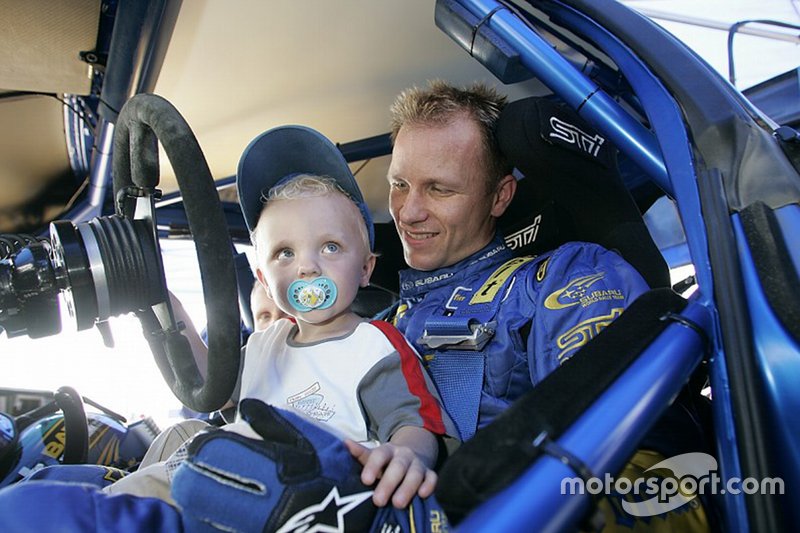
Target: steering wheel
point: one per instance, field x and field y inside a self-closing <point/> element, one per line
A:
<point x="76" y="429"/>
<point x="75" y="440"/>
<point x="145" y="119"/>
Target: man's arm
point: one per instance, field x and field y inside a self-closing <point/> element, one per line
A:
<point x="578" y="290"/>
<point x="403" y="466"/>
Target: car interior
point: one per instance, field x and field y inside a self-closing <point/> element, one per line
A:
<point x="608" y="119"/>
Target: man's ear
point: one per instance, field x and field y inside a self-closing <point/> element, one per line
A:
<point x="503" y="195"/>
<point x="263" y="281"/>
<point x="366" y="271"/>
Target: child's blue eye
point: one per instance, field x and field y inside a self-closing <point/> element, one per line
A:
<point x="285" y="254"/>
<point x="330" y="248"/>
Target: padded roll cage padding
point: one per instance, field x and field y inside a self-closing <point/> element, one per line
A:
<point x="773" y="263"/>
<point x="144" y="119"/>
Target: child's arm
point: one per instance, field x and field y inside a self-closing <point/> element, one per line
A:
<point x="199" y="348"/>
<point x="403" y="465"/>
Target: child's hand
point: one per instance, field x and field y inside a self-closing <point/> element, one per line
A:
<point x="401" y="471"/>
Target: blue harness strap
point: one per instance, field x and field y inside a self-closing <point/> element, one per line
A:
<point x="457" y="339"/>
<point x="459" y="378"/>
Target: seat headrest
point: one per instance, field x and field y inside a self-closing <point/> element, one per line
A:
<point x="570" y="189"/>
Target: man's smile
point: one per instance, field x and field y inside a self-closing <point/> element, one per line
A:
<point x="418" y="235"/>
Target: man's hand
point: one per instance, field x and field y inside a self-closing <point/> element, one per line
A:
<point x="401" y="467"/>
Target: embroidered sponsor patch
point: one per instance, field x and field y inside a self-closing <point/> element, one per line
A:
<point x="426" y="281"/>
<point x="401" y="310"/>
<point x="459" y="295"/>
<point x="438" y="522"/>
<point x="489" y="289"/>
<point x="541" y="272"/>
<point x="577" y="292"/>
<point x="582" y="333"/>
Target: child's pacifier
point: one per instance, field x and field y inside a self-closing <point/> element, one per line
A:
<point x="307" y="296"/>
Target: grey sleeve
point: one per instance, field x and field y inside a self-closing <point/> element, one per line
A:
<point x="396" y="393"/>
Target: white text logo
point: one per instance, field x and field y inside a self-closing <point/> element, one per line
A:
<point x="693" y="474"/>
<point x="574" y="135"/>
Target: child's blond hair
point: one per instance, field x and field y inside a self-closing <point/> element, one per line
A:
<point x="310" y="186"/>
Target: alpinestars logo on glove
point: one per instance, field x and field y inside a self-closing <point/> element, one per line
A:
<point x="327" y="515"/>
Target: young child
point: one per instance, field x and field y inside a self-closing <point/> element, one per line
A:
<point x="360" y="380"/>
<point x="313" y="238"/>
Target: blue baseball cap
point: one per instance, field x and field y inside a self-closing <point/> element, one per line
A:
<point x="285" y="152"/>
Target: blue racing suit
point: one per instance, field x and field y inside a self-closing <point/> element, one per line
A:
<point x="492" y="326"/>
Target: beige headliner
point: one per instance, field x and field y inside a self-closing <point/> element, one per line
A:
<point x="236" y="68"/>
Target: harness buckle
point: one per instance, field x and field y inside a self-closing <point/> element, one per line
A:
<point x="475" y="340"/>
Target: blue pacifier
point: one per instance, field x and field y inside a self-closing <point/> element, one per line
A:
<point x="307" y="296"/>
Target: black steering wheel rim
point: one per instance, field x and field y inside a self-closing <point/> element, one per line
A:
<point x="76" y="430"/>
<point x="144" y="119"/>
<point x="76" y="427"/>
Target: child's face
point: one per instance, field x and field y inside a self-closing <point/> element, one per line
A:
<point x="265" y="310"/>
<point x="305" y="238"/>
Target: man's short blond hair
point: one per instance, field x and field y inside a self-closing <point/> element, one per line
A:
<point x="440" y="103"/>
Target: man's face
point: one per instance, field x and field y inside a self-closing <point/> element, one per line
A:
<point x="305" y="238"/>
<point x="265" y="310"/>
<point x="438" y="193"/>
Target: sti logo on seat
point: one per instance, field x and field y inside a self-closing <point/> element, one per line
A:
<point x="525" y="236"/>
<point x="571" y="134"/>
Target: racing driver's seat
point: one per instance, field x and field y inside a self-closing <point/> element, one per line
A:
<point x="570" y="188"/>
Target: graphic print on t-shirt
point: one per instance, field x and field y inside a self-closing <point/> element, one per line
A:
<point x="312" y="403"/>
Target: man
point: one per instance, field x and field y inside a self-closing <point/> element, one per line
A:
<point x="449" y="183"/>
<point x="489" y="326"/>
